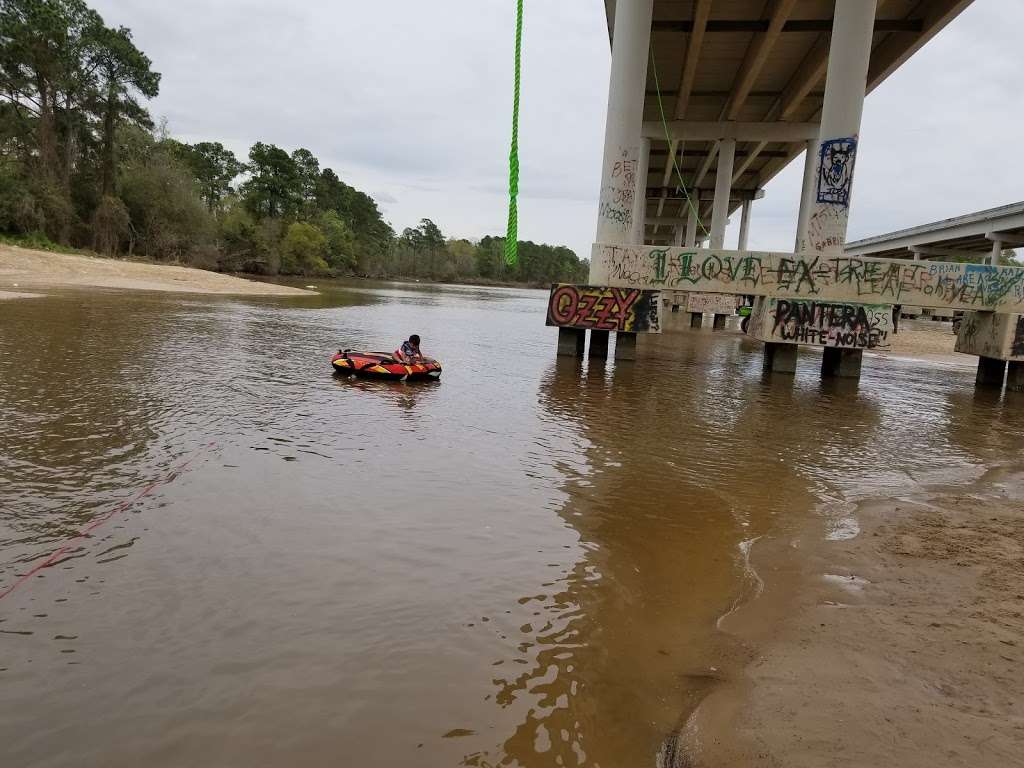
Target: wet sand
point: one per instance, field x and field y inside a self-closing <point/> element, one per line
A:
<point x="27" y="268"/>
<point x="901" y="646"/>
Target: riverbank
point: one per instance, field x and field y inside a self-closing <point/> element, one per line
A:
<point x="901" y="646"/>
<point x="24" y="272"/>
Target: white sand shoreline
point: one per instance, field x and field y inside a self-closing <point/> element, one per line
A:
<point x="24" y="271"/>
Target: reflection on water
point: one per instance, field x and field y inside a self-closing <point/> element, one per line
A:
<point x="520" y="565"/>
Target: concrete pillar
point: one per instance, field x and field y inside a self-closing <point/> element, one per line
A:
<point x="719" y="322"/>
<point x="723" y="186"/>
<point x="991" y="372"/>
<point x="640" y="204"/>
<point x="744" y="225"/>
<point x="917" y="255"/>
<point x="850" y="50"/>
<point x="625" y="346"/>
<point x="598" y="344"/>
<point x="780" y="358"/>
<point x="997" y="251"/>
<point x="626" y="89"/>
<point x="691" y="224"/>
<point x="571" y="342"/>
<point x="806" y="193"/>
<point x="678" y="234"/>
<point x="841" y="363"/>
<point x="696" y="319"/>
<point x="1015" y="376"/>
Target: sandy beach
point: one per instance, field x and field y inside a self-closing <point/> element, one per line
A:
<point x="35" y="271"/>
<point x="901" y="646"/>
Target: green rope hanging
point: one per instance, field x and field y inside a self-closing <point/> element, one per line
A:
<point x="512" y="234"/>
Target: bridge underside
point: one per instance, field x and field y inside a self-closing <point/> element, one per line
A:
<point x="707" y="101"/>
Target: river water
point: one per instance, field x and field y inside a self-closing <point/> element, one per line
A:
<point x="522" y="564"/>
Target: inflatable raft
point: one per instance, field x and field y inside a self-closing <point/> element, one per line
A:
<point x="380" y="365"/>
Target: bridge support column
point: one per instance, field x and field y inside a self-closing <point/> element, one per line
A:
<point x="691" y="225"/>
<point x="1015" y="376"/>
<point x="696" y="319"/>
<point x="719" y="323"/>
<point x="741" y="244"/>
<point x="806" y="193"/>
<point x="991" y="372"/>
<point x="571" y="342"/>
<point x="780" y="358"/>
<point x="626" y="87"/>
<point x="640" y="202"/>
<point x="598" y="344"/>
<point x="997" y="251"/>
<point x="625" y="346"/>
<point x="841" y="363"/>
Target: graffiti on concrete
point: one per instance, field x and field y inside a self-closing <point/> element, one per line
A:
<point x="604" y="309"/>
<point x="821" y="277"/>
<point x="1017" y="345"/>
<point x="835" y="170"/>
<point x="991" y="334"/>
<point x="718" y="303"/>
<point x="615" y="205"/>
<point x="850" y="326"/>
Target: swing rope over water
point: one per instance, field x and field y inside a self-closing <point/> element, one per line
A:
<point x="512" y="233"/>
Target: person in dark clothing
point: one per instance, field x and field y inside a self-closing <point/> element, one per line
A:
<point x="409" y="352"/>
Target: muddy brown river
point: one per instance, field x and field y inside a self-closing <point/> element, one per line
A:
<point x="520" y="565"/>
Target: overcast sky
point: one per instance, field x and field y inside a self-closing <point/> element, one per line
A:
<point x="410" y="101"/>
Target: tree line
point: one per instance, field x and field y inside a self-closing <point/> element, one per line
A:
<point x="82" y="164"/>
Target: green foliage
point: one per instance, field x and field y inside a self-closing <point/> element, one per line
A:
<point x="303" y="250"/>
<point x="213" y="166"/>
<point x="167" y="214"/>
<point x="274" y="187"/>
<point x="341" y="242"/>
<point x="81" y="164"/>
<point x="111" y="225"/>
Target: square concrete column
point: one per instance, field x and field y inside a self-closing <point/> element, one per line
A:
<point x="741" y="244"/>
<point x="723" y="186"/>
<point x="598" y="344"/>
<point x="841" y="363"/>
<point x="1015" y="376"/>
<point x="718" y="324"/>
<point x="691" y="224"/>
<point x="780" y="358"/>
<point x="696" y="319"/>
<point x="571" y="342"/>
<point x="625" y="346"/>
<point x="991" y="372"/>
<point x="806" y="193"/>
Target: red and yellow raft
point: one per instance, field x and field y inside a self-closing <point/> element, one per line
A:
<point x="380" y="365"/>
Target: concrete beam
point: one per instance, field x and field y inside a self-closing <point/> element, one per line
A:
<point x="1008" y="239"/>
<point x="701" y="11"/>
<point x="793" y="25"/>
<point x="696" y="130"/>
<point x="756" y="56"/>
<point x="705" y="194"/>
<point x="927" y="252"/>
<point x="817" y="277"/>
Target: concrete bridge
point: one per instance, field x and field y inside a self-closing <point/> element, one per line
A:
<point x="732" y="92"/>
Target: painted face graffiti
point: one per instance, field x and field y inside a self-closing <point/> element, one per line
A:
<point x="603" y="309"/>
<point x="835" y="176"/>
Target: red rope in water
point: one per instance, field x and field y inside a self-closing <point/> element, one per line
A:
<point x="120" y="507"/>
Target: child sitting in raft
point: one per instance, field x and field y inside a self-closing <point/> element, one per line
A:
<point x="409" y="352"/>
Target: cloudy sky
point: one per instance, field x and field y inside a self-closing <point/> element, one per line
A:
<point x="410" y="101"/>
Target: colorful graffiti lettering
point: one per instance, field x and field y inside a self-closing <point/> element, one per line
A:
<point x="603" y="309"/>
<point x="818" y="276"/>
<point x="851" y="326"/>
